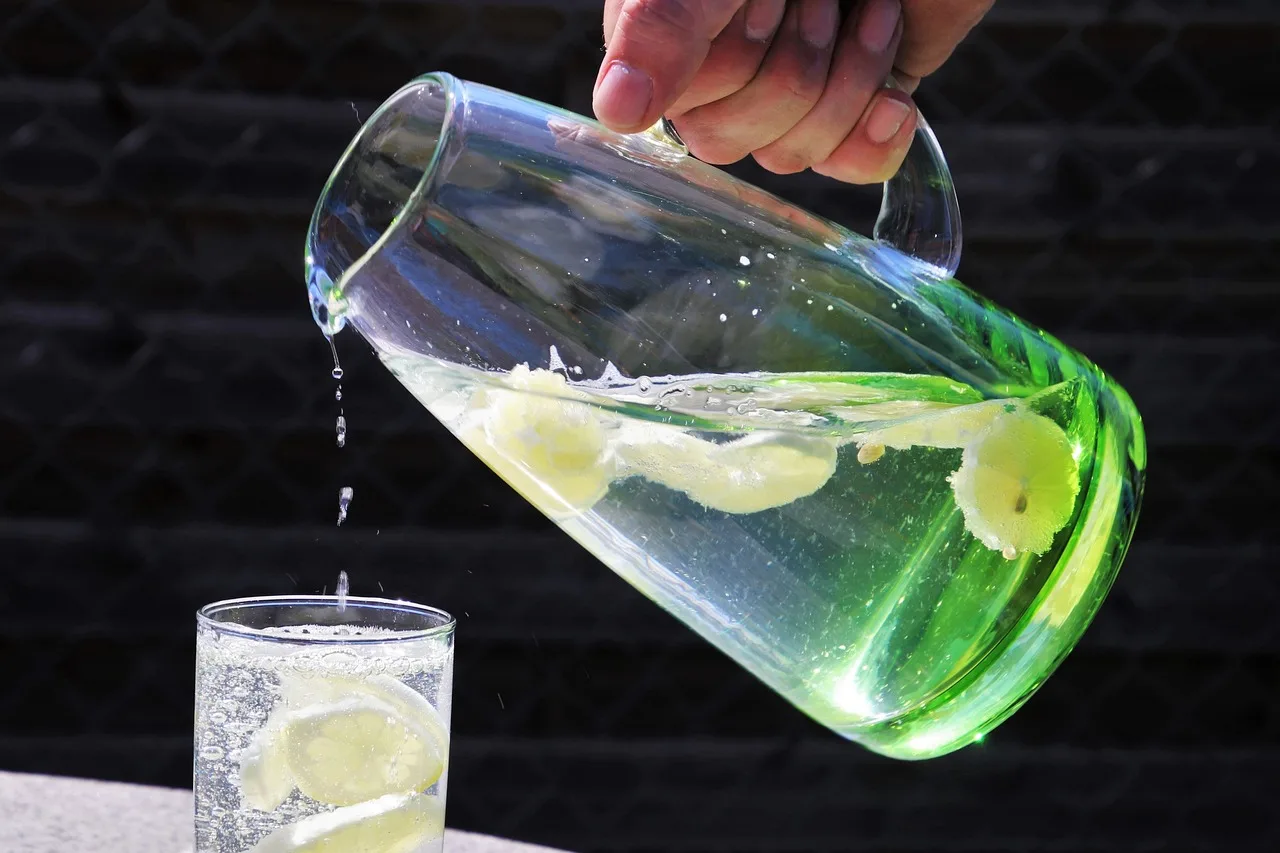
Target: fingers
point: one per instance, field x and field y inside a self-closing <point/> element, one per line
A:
<point x="875" y="148"/>
<point x="862" y="62"/>
<point x="788" y="84"/>
<point x="933" y="29"/>
<point x="655" y="47"/>
<point x="735" y="55"/>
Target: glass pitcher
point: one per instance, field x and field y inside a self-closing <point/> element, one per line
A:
<point x="893" y="502"/>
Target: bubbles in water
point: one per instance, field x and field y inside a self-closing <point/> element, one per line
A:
<point x="342" y="431"/>
<point x="218" y="718"/>
<point x="211" y="753"/>
<point x="345" y="494"/>
<point x="554" y="362"/>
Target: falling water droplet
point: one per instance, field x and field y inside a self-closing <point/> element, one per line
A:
<point x="342" y="432"/>
<point x="333" y="348"/>
<point x="344" y="587"/>
<point x="344" y="502"/>
<point x="337" y="395"/>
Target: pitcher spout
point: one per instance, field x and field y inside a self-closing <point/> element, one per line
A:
<point x="377" y="180"/>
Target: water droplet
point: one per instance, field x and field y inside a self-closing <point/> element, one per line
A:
<point x="755" y="312"/>
<point x="723" y="318"/>
<point x="644" y="384"/>
<point x="744" y="260"/>
<point x="211" y="753"/>
<point x="345" y="494"/>
<point x="344" y="587"/>
<point x="342" y="431"/>
<point x="337" y="368"/>
<point x="770" y="255"/>
<point x="337" y="395"/>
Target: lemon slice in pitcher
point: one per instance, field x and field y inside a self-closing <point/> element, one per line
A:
<point x="1017" y="484"/>
<point x="762" y="471"/>
<point x="540" y="437"/>
<point x="396" y="823"/>
<point x="954" y="427"/>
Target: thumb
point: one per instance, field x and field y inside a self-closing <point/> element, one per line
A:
<point x="655" y="48"/>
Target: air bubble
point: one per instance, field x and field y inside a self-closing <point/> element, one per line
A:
<point x="212" y="753"/>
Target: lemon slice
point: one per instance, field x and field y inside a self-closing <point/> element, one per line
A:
<point x="362" y="747"/>
<point x="542" y="441"/>
<point x="396" y="823"/>
<point x="1017" y="484"/>
<point x="762" y="471"/>
<point x="265" y="779"/>
<point x="299" y="693"/>
<point x="958" y="426"/>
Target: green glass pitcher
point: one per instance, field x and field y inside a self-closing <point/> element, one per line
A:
<point x="892" y="501"/>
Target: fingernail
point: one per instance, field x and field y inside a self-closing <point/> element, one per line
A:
<point x="818" y="22"/>
<point x="878" y="24"/>
<point x="886" y="119"/>
<point x="763" y="18"/>
<point x="623" y="96"/>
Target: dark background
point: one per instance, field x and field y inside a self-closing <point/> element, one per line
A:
<point x="167" y="420"/>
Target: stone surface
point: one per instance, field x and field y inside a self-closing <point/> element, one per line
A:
<point x="49" y="814"/>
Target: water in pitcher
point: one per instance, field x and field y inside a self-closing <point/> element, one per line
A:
<point x="859" y="541"/>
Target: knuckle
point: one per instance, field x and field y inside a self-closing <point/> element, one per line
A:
<point x="795" y="87"/>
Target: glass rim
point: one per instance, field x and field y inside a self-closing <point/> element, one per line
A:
<point x="205" y="616"/>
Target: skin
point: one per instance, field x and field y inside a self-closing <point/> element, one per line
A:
<point x="796" y="85"/>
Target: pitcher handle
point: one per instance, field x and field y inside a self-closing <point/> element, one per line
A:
<point x="919" y="213"/>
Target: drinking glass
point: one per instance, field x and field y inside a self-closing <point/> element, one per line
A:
<point x="321" y="723"/>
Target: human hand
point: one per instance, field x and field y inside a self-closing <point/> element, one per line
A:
<point x="787" y="82"/>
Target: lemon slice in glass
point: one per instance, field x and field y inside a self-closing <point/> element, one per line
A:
<point x="265" y="779"/>
<point x="1017" y="484"/>
<point x="396" y="823"/>
<point x="542" y="440"/>
<point x="361" y="747"/>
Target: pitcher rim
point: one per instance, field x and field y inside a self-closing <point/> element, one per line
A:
<point x="454" y="94"/>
